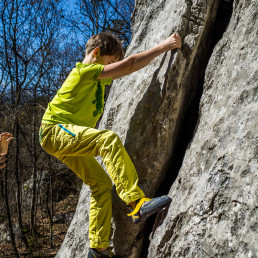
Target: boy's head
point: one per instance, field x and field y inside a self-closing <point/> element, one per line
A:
<point x="107" y="43"/>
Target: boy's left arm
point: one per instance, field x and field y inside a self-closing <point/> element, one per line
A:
<point x="137" y="61"/>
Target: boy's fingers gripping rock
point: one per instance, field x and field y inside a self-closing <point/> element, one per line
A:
<point x="177" y="41"/>
<point x="174" y="41"/>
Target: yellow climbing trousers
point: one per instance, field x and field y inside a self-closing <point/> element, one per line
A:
<point x="77" y="146"/>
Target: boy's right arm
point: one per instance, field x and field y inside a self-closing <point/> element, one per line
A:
<point x="136" y="62"/>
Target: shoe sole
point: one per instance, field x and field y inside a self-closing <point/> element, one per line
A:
<point x="158" y="208"/>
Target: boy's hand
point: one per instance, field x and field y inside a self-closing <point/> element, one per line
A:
<point x="174" y="41"/>
<point x="5" y="139"/>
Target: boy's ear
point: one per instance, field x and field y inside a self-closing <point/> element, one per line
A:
<point x="96" y="52"/>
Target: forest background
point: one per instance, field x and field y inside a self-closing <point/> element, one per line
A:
<point x="40" y="42"/>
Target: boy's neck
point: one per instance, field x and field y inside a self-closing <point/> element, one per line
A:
<point x="88" y="59"/>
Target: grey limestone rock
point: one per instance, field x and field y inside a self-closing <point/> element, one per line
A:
<point x="76" y="242"/>
<point x="213" y="209"/>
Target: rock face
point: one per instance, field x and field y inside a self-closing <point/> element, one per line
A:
<point x="76" y="239"/>
<point x="213" y="209"/>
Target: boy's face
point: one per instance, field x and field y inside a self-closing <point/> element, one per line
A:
<point x="106" y="59"/>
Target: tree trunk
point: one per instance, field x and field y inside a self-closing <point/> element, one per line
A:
<point x="18" y="183"/>
<point x="34" y="161"/>
<point x="50" y="211"/>
<point x="9" y="214"/>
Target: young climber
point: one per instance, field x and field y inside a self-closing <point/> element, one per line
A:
<point x="5" y="139"/>
<point x="67" y="132"/>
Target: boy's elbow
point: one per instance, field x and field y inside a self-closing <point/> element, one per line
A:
<point x="131" y="64"/>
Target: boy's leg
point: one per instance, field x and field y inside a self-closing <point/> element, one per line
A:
<point x="121" y="169"/>
<point x="71" y="140"/>
<point x="117" y="161"/>
<point x="92" y="174"/>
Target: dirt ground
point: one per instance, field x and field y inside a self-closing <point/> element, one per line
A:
<point x="40" y="245"/>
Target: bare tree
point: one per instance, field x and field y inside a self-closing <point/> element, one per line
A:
<point x="8" y="213"/>
<point x="29" y="41"/>
<point x="95" y="16"/>
<point x="39" y="45"/>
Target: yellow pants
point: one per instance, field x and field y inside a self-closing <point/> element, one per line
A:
<point x="77" y="146"/>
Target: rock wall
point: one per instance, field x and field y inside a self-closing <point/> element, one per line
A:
<point x="76" y="242"/>
<point x="214" y="207"/>
<point x="146" y="110"/>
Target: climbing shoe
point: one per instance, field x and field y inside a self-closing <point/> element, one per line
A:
<point x="94" y="253"/>
<point x="146" y="207"/>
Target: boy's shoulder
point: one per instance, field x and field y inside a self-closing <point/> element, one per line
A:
<point x="91" y="72"/>
<point x="87" y="66"/>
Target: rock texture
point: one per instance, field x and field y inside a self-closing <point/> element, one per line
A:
<point x="76" y="241"/>
<point x="213" y="208"/>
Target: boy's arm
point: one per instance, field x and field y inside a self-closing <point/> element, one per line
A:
<point x="136" y="62"/>
<point x="5" y="139"/>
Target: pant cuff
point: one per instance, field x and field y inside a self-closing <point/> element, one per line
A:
<point x="98" y="244"/>
<point x="129" y="199"/>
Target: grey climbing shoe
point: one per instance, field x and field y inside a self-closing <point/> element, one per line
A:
<point x="94" y="253"/>
<point x="146" y="207"/>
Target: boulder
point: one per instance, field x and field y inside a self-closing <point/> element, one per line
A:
<point x="215" y="186"/>
<point x="214" y="207"/>
<point x="76" y="243"/>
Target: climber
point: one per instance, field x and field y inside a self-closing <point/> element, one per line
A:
<point x="67" y="132"/>
<point x="5" y="139"/>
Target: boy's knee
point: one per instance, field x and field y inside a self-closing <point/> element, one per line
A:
<point x="108" y="185"/>
<point x="111" y="136"/>
<point x="101" y="187"/>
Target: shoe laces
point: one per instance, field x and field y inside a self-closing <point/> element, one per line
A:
<point x="138" y="206"/>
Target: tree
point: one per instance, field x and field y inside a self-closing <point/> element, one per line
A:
<point x="95" y="16"/>
<point x="29" y="40"/>
<point x="39" y="45"/>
